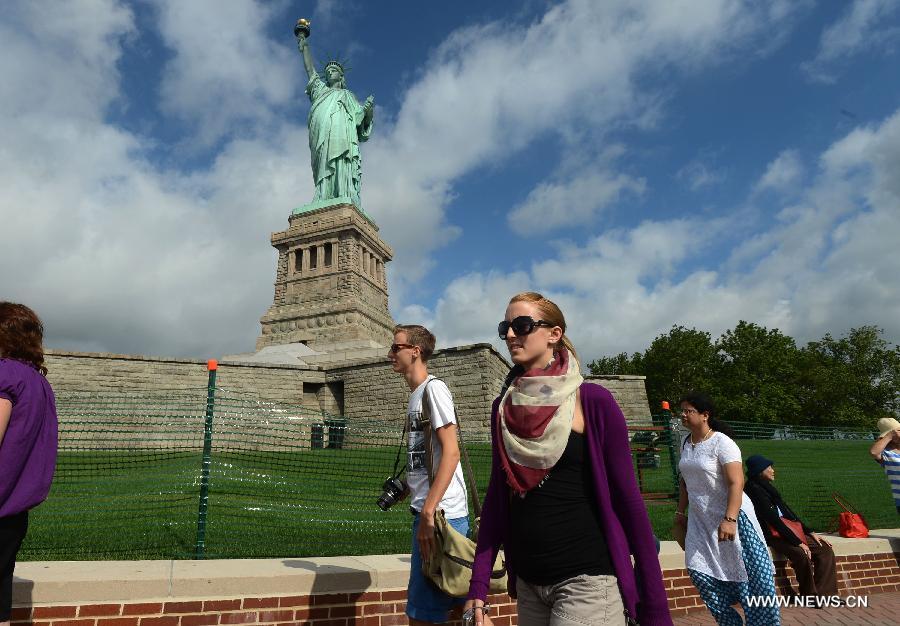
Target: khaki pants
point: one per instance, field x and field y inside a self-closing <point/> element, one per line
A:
<point x="579" y="601"/>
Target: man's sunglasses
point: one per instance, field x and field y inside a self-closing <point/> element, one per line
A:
<point x="522" y="325"/>
<point x="397" y="347"/>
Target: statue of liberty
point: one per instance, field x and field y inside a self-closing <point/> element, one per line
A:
<point x="337" y="124"/>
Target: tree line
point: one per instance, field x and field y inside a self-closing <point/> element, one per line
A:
<point x="756" y="374"/>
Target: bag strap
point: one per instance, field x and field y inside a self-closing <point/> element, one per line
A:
<point x="841" y="502"/>
<point x="429" y="449"/>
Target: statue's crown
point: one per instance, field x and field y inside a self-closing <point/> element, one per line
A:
<point x="334" y="63"/>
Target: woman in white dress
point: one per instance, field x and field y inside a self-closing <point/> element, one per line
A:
<point x="725" y="553"/>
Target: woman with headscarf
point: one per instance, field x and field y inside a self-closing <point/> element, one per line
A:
<point x="810" y="555"/>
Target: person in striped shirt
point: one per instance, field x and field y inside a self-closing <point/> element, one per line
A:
<point x="886" y="450"/>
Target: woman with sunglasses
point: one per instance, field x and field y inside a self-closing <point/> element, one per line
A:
<point x="27" y="435"/>
<point x="563" y="500"/>
<point x="724" y="550"/>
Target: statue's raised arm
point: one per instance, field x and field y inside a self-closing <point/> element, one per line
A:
<point x="301" y="30"/>
<point x="337" y="124"/>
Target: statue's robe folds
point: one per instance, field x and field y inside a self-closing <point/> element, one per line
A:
<point x="336" y="126"/>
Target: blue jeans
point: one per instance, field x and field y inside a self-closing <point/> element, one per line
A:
<point x="424" y="601"/>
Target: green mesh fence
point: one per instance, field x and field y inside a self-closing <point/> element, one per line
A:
<point x="811" y="464"/>
<point x="287" y="481"/>
<point x="282" y="480"/>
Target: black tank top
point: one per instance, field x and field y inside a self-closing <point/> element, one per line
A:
<point x="556" y="532"/>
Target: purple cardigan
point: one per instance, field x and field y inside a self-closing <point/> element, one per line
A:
<point x="622" y="513"/>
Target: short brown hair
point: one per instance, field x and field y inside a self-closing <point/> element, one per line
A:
<point x="21" y="335"/>
<point x="418" y="336"/>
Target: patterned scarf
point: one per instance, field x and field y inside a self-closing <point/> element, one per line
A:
<point x="536" y="419"/>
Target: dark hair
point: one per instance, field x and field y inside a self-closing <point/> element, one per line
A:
<point x="21" y="335"/>
<point x="418" y="336"/>
<point x="704" y="404"/>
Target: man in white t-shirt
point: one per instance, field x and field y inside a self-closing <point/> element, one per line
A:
<point x="409" y="354"/>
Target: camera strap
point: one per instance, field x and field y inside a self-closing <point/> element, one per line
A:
<point x="400" y="448"/>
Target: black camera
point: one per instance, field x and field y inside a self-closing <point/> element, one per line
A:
<point x="392" y="491"/>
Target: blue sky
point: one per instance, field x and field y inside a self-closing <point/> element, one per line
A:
<point x="645" y="163"/>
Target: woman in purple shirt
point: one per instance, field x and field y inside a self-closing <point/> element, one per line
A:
<point x="28" y="435"/>
<point x="563" y="500"/>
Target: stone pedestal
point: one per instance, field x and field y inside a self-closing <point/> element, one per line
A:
<point x="331" y="285"/>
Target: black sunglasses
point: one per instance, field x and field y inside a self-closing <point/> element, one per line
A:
<point x="522" y="325"/>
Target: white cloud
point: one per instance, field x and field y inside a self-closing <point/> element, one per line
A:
<point x="849" y="152"/>
<point x="863" y="26"/>
<point x="783" y="173"/>
<point x="827" y="264"/>
<point x="115" y="253"/>
<point x="491" y="89"/>
<point x="225" y="72"/>
<point x="698" y="174"/>
<point x="576" y="200"/>
<point x="327" y="12"/>
<point x="61" y="58"/>
<point x="119" y="253"/>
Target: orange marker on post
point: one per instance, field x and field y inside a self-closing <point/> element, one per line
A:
<point x="200" y="546"/>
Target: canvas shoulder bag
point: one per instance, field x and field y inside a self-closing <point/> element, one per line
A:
<point x="451" y="568"/>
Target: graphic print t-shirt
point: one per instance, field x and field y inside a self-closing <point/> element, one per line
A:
<point x="454" y="501"/>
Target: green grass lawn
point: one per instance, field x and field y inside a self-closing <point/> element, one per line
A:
<point x="143" y="504"/>
<point x="807" y="473"/>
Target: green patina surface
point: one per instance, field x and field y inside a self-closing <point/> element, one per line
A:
<point x="337" y="124"/>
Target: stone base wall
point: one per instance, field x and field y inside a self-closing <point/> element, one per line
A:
<point x="125" y="373"/>
<point x="360" y="390"/>
<point x="631" y="394"/>
<point x="330" y="282"/>
<point x="475" y="373"/>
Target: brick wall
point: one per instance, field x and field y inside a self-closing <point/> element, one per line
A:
<point x="369" y="608"/>
<point x="858" y="575"/>
<point x="328" y="591"/>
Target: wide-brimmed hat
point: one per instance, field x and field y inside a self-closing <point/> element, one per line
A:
<point x="756" y="464"/>
<point x="886" y="425"/>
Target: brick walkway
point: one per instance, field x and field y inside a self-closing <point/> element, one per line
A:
<point x="884" y="610"/>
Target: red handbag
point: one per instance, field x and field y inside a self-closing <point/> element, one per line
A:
<point x="850" y="522"/>
<point x="793" y="526"/>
